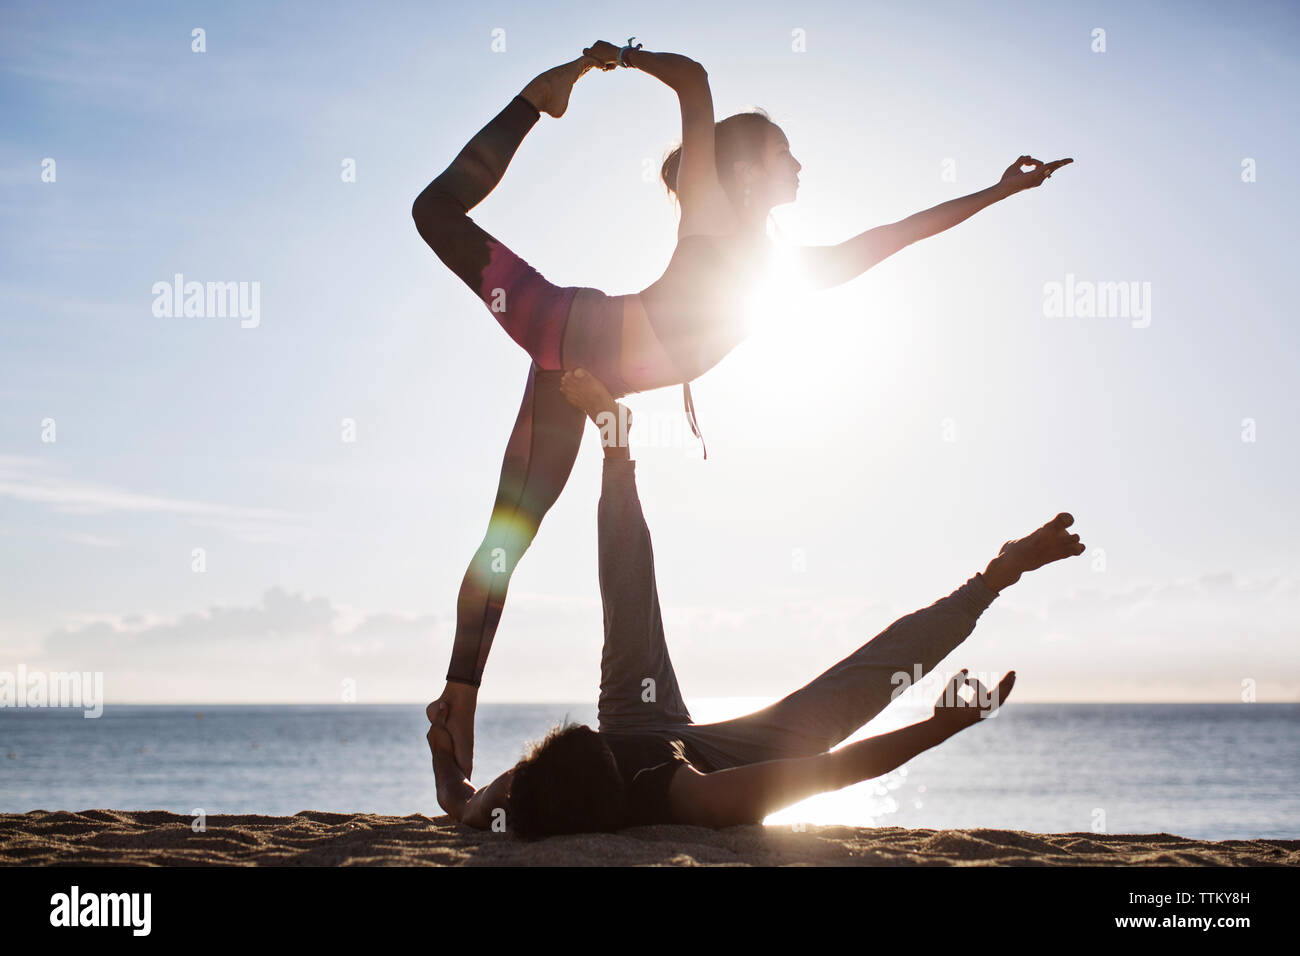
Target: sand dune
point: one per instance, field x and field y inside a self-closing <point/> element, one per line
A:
<point x="158" y="838"/>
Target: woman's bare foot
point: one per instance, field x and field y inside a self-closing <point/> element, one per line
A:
<point x="1049" y="543"/>
<point x="461" y="701"/>
<point x="589" y="393"/>
<point x="549" y="91"/>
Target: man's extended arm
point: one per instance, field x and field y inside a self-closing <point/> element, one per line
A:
<point x="454" y="791"/>
<point x="456" y="794"/>
<point x="749" y="793"/>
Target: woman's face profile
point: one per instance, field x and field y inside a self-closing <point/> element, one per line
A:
<point x="782" y="179"/>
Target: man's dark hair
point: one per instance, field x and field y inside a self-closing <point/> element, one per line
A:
<point x="569" y="783"/>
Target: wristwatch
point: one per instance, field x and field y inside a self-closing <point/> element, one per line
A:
<point x="624" y="49"/>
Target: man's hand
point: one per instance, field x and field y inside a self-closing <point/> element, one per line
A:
<point x="482" y="806"/>
<point x="952" y="712"/>
<point x="1015" y="179"/>
<point x="454" y="791"/>
<point x="454" y="712"/>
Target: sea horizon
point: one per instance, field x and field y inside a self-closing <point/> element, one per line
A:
<point x="1213" y="771"/>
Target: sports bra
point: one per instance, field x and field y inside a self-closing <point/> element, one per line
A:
<point x="696" y="308"/>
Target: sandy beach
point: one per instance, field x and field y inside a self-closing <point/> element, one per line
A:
<point x="308" y="838"/>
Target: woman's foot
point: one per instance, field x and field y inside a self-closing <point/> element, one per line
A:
<point x="589" y="393"/>
<point x="549" y="91"/>
<point x="461" y="701"/>
<point x="1049" y="543"/>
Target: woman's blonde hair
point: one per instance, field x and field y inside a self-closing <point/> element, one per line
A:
<point x="742" y="136"/>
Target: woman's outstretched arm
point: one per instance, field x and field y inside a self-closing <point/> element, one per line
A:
<point x="826" y="266"/>
<point x="749" y="793"/>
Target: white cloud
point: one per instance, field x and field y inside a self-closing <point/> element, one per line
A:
<point x="286" y="647"/>
<point x="29" y="480"/>
<point x="1164" y="642"/>
<point x="91" y="540"/>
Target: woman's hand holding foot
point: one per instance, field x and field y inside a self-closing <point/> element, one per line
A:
<point x="604" y="54"/>
<point x="549" y="91"/>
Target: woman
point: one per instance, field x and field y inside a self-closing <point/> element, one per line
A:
<point x="727" y="176"/>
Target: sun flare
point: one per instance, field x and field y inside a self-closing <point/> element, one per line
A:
<point x="843" y="344"/>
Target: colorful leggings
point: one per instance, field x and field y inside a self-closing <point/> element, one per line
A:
<point x="559" y="327"/>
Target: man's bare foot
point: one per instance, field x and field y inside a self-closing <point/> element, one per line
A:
<point x="549" y="91"/>
<point x="1049" y="543"/>
<point x="589" y="393"/>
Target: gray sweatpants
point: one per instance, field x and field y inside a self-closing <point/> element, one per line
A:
<point x="639" y="691"/>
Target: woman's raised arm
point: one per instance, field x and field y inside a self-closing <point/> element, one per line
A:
<point x="703" y="200"/>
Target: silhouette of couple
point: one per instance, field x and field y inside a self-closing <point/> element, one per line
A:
<point x="648" y="762"/>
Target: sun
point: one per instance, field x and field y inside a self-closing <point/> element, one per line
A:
<point x="805" y="347"/>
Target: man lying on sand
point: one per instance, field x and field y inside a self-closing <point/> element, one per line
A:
<point x="649" y="763"/>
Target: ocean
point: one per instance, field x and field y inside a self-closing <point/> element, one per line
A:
<point x="1205" y="771"/>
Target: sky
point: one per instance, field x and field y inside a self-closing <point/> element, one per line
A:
<point x="275" y="507"/>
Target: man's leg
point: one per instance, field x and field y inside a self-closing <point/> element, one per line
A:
<point x="834" y="705"/>
<point x="638" y="688"/>
<point x="819" y="716"/>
